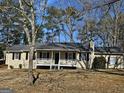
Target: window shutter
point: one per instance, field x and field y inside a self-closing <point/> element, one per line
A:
<point x="80" y="56"/>
<point x="40" y="54"/>
<point x="47" y="55"/>
<point x="12" y="56"/>
<point x="74" y="56"/>
<point x="87" y="57"/>
<point x="34" y="56"/>
<point x="26" y="55"/>
<point x="19" y="56"/>
<point x="66" y="55"/>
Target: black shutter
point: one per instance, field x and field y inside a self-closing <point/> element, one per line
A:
<point x="47" y="55"/>
<point x="26" y="55"/>
<point x="34" y="56"/>
<point x="80" y="56"/>
<point x="74" y="56"/>
<point x="19" y="56"/>
<point x="66" y="55"/>
<point x="40" y="54"/>
<point x="87" y="57"/>
<point x="12" y="56"/>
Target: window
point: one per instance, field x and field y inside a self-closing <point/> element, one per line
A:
<point x="43" y="55"/>
<point x="40" y="56"/>
<point x="66" y="55"/>
<point x="74" y="56"/>
<point x="27" y="56"/>
<point x="47" y="54"/>
<point x="112" y="60"/>
<point x="87" y="57"/>
<point x="84" y="56"/>
<point x="16" y="56"/>
<point x="70" y="56"/>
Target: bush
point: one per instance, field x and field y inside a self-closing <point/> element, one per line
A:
<point x="11" y="67"/>
<point x="20" y="66"/>
<point x="99" y="63"/>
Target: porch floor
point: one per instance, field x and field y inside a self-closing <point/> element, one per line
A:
<point x="69" y="65"/>
<point x="59" y="66"/>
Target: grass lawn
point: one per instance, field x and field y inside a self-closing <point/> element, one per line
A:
<point x="64" y="81"/>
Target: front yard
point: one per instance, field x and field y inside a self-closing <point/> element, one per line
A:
<point x="64" y="81"/>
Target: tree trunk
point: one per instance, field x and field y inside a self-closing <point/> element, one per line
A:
<point x="30" y="70"/>
<point x="71" y="38"/>
<point x="108" y="62"/>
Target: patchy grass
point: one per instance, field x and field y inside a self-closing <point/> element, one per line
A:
<point x="65" y="81"/>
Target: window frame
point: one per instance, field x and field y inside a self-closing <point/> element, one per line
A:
<point x="43" y="55"/>
<point x="16" y="56"/>
<point x="70" y="56"/>
<point x="112" y="60"/>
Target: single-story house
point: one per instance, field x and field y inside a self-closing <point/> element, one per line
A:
<point x="61" y="55"/>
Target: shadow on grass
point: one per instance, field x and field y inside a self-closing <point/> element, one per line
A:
<point x="118" y="72"/>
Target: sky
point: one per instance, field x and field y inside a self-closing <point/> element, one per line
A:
<point x="77" y="5"/>
<point x="97" y="15"/>
<point x="63" y="4"/>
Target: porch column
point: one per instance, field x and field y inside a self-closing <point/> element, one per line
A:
<point x="92" y="56"/>
<point x="123" y="60"/>
<point x="36" y="61"/>
<point x="51" y="60"/>
<point x="36" y="56"/>
<point x="59" y="61"/>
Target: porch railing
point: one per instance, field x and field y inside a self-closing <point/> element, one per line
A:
<point x="52" y="61"/>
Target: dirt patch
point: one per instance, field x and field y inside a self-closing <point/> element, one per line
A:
<point x="65" y="81"/>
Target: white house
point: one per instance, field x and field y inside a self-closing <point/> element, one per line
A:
<point x="60" y="55"/>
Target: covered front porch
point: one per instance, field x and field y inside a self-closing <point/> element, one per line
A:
<point x="57" y="59"/>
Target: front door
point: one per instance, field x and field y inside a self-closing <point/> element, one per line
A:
<point x="56" y="57"/>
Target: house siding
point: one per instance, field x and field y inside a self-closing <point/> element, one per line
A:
<point x="62" y="61"/>
<point x="25" y="63"/>
<point x="15" y="63"/>
<point x="120" y="60"/>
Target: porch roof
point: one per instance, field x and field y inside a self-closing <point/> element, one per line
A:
<point x="51" y="47"/>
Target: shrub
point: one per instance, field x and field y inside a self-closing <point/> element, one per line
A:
<point x="20" y="66"/>
<point x="99" y="63"/>
<point x="11" y="67"/>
